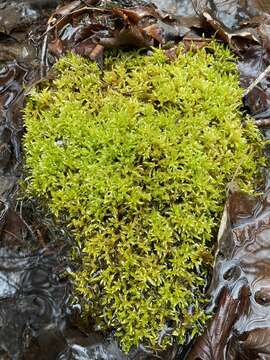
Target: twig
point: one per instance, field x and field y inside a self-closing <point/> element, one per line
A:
<point x="4" y="211"/>
<point x="44" y="63"/>
<point x="27" y="225"/>
<point x="11" y="233"/>
<point x="195" y="7"/>
<point x="232" y="185"/>
<point x="29" y="229"/>
<point x="200" y="39"/>
<point x="257" y="81"/>
<point x="40" y="238"/>
<point x="262" y="123"/>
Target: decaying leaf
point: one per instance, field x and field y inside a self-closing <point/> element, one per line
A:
<point x="240" y="286"/>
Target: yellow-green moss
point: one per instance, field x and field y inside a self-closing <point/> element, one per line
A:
<point x="136" y="159"/>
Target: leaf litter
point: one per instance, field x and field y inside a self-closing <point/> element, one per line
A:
<point x="36" y="321"/>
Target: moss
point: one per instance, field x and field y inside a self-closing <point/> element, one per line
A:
<point x="136" y="158"/>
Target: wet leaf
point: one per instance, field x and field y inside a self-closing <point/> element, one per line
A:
<point x="242" y="273"/>
<point x="212" y="344"/>
<point x="111" y="27"/>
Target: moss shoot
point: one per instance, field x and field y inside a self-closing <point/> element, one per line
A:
<point x="136" y="159"/>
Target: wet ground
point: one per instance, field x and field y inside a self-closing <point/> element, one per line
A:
<point x="36" y="321"/>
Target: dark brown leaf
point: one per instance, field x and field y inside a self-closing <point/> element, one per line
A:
<point x="241" y="326"/>
<point x="56" y="47"/>
<point x="211" y="345"/>
<point x="232" y="38"/>
<point x="134" y="15"/>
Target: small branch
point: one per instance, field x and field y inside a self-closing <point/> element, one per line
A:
<point x="257" y="81"/>
<point x="262" y="123"/>
<point x="40" y="238"/>
<point x="198" y="39"/>
<point x="13" y="235"/>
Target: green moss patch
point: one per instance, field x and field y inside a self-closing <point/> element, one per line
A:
<point x="135" y="159"/>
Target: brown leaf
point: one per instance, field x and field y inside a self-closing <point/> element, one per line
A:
<point x="134" y="15"/>
<point x="66" y="10"/>
<point x="237" y="40"/>
<point x="90" y="50"/>
<point x="264" y="31"/>
<point x="155" y="32"/>
<point x="130" y="35"/>
<point x="56" y="47"/>
<point x="211" y="345"/>
<point x="240" y="327"/>
<point x="88" y="30"/>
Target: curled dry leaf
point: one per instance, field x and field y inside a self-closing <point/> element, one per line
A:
<point x="80" y="28"/>
<point x="232" y="38"/>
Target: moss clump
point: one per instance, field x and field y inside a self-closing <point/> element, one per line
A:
<point x="136" y="159"/>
